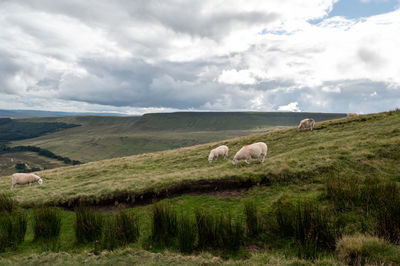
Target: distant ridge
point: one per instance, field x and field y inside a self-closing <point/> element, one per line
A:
<point x="36" y="113"/>
<point x="189" y="121"/>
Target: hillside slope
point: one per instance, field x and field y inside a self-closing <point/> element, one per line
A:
<point x="363" y="146"/>
<point x="194" y="121"/>
<point x="101" y="137"/>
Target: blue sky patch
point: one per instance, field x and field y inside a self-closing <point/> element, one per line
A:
<point x="353" y="9"/>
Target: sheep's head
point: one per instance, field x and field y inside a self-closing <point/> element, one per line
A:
<point x="210" y="157"/>
<point x="40" y="181"/>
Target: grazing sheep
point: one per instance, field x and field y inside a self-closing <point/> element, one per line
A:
<point x="218" y="152"/>
<point x="352" y="114"/>
<point x="24" y="178"/>
<point x="256" y="151"/>
<point x="306" y="123"/>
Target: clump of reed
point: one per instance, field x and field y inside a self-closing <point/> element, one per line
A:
<point x="253" y="219"/>
<point x="164" y="224"/>
<point x="7" y="203"/>
<point x="46" y="223"/>
<point x="12" y="229"/>
<point x="88" y="225"/>
<point x="119" y="230"/>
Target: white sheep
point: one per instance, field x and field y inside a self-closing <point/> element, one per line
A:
<point x="221" y="151"/>
<point x="25" y="178"/>
<point x="256" y="151"/>
<point x="352" y="114"/>
<point x="306" y="123"/>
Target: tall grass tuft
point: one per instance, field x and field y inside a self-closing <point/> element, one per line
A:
<point x="186" y="234"/>
<point x="88" y="225"/>
<point x="205" y="223"/>
<point x="219" y="231"/>
<point x="367" y="250"/>
<point x="313" y="230"/>
<point x="12" y="230"/>
<point x="19" y="221"/>
<point x="388" y="220"/>
<point x="164" y="224"/>
<point x="46" y="223"/>
<point x="127" y="227"/>
<point x="119" y="230"/>
<point x="343" y="192"/>
<point x="231" y="233"/>
<point x="110" y="238"/>
<point x="253" y="219"/>
<point x="7" y="203"/>
<point x="283" y="212"/>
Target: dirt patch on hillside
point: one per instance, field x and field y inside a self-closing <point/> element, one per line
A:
<point x="228" y="187"/>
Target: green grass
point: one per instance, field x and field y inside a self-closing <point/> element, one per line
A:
<point x="109" y="137"/>
<point x="346" y="147"/>
<point x="298" y="165"/>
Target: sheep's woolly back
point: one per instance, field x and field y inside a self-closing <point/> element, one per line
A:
<point x="306" y="123"/>
<point x="219" y="151"/>
<point x="254" y="150"/>
<point x="24" y="178"/>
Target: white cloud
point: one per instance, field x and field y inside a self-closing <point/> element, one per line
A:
<point x="291" y="107"/>
<point x="237" y="77"/>
<point x="245" y="55"/>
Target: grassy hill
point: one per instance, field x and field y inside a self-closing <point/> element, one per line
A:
<point x="340" y="171"/>
<point x="364" y="146"/>
<point x="109" y="137"/>
<point x="200" y="121"/>
<point x="11" y="129"/>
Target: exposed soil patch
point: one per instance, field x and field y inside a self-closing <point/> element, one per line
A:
<point x="229" y="187"/>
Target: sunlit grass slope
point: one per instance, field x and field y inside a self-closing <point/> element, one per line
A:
<point x="104" y="137"/>
<point x="108" y="137"/>
<point x="363" y="146"/>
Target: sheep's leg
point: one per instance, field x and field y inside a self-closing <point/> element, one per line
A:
<point x="263" y="158"/>
<point x="30" y="184"/>
<point x="12" y="186"/>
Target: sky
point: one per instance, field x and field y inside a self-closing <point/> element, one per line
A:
<point x="135" y="57"/>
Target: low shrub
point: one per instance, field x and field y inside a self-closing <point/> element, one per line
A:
<point x="164" y="224"/>
<point x="89" y="224"/>
<point x="7" y="203"/>
<point x="46" y="223"/>
<point x="362" y="249"/>
<point x="186" y="234"/>
<point x="12" y="230"/>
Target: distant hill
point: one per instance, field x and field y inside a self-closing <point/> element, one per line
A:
<point x="35" y="113"/>
<point x="193" y="121"/>
<point x="103" y="137"/>
<point x="11" y="129"/>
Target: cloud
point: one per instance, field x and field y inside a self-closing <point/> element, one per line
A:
<point x="291" y="107"/>
<point x="133" y="56"/>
